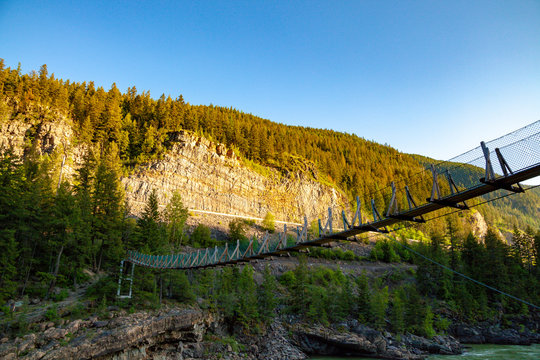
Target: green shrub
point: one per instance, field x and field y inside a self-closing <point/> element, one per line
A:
<point x="332" y="254"/>
<point x="237" y="230"/>
<point x="201" y="237"/>
<point x="22" y="325"/>
<point x="349" y="255"/>
<point x="441" y="323"/>
<point x="287" y="279"/>
<point x="385" y="251"/>
<point x="52" y="313"/>
<point x="269" y="222"/>
<point x="291" y="241"/>
<point x="427" y="324"/>
<point x="77" y="311"/>
<point x="62" y="295"/>
<point x="7" y="312"/>
<point x="106" y="286"/>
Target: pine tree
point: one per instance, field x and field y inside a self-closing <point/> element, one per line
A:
<point x="111" y="117"/>
<point x="11" y="182"/>
<point x="62" y="226"/>
<point x="179" y="287"/>
<point x="345" y="299"/>
<point x="43" y="89"/>
<point x="398" y="311"/>
<point x="363" y="300"/>
<point x="84" y="219"/>
<point x="299" y="298"/>
<point x="175" y="216"/>
<point x="267" y="300"/>
<point x="150" y="230"/>
<point x="317" y="304"/>
<point x="227" y="292"/>
<point x="107" y="213"/>
<point x="8" y="261"/>
<point x="537" y="253"/>
<point x="246" y="306"/>
<point x="378" y="304"/>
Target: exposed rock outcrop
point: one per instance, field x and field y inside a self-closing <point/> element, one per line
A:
<point x="209" y="176"/>
<point x="479" y="226"/>
<point x="122" y="337"/>
<point x="360" y="340"/>
<point x="275" y="346"/>
<point x="494" y="334"/>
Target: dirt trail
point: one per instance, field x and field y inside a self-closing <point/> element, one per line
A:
<point x="36" y="313"/>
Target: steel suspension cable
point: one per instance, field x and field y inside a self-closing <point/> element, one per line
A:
<point x="450" y="269"/>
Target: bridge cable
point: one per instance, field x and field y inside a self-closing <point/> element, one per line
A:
<point x="467" y="277"/>
<point x="452" y="270"/>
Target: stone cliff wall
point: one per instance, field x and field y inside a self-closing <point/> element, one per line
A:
<point x="208" y="176"/>
<point x="211" y="178"/>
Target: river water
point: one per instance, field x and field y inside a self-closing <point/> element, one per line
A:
<point x="477" y="352"/>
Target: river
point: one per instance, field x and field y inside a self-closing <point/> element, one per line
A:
<point x="476" y="352"/>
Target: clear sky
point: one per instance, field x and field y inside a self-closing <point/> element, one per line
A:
<point x="428" y="77"/>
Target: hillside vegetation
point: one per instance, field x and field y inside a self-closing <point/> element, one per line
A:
<point x="53" y="232"/>
<point x="139" y="127"/>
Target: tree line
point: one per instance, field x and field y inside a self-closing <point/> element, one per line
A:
<point x="513" y="269"/>
<point x="141" y="128"/>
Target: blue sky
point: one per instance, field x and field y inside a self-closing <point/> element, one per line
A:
<point x="428" y="77"/>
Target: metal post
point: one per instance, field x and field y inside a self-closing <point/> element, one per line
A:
<point x="376" y="215"/>
<point x="393" y="206"/>
<point x="330" y="220"/>
<point x="490" y="175"/>
<point x="120" y="278"/>
<point x="358" y="213"/>
<point x="131" y="279"/>
<point x="410" y="200"/>
<point x="435" y="190"/>
<point x="305" y="232"/>
<point x="346" y="224"/>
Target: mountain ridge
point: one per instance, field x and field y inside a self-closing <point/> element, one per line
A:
<point x="141" y="127"/>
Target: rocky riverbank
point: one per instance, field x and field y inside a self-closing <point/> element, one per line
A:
<point x="191" y="333"/>
<point x="355" y="339"/>
<point x="520" y="331"/>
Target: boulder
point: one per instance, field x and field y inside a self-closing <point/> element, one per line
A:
<point x="74" y="326"/>
<point x="467" y="334"/>
<point x="54" y="334"/>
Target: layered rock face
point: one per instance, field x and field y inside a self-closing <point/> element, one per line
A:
<point x="123" y="337"/>
<point x="211" y="178"/>
<point x="46" y="138"/>
<point x="208" y="176"/>
<point x="15" y="135"/>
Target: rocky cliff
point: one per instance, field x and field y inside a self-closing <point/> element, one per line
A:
<point x="209" y="176"/>
<point x="133" y="336"/>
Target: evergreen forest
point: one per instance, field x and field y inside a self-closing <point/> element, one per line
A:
<point x="56" y="234"/>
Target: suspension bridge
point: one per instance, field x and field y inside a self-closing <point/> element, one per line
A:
<point x="498" y="165"/>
